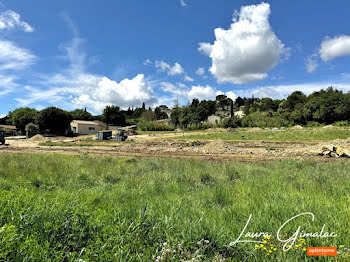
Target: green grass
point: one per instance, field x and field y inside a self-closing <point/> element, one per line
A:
<point x="315" y="134"/>
<point x="66" y="208"/>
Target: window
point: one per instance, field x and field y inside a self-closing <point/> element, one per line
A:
<point x="91" y="128"/>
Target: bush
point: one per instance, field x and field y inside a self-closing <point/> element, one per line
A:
<point x="155" y="126"/>
<point x="342" y="123"/>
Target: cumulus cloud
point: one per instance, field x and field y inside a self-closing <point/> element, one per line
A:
<point x="128" y="92"/>
<point x="10" y="20"/>
<point x="179" y="91"/>
<point x="332" y="48"/>
<point x="176" y="69"/>
<point x="202" y="92"/>
<point x="247" y="50"/>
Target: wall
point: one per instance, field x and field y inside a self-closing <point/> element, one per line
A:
<point x="84" y="129"/>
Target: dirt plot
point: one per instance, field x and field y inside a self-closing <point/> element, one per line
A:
<point x="159" y="146"/>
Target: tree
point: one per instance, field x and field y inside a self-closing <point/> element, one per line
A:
<point x="81" y="114"/>
<point x="175" y="114"/>
<point x="148" y="116"/>
<point x="222" y="99"/>
<point x="32" y="129"/>
<point x="113" y="116"/>
<point x="5" y="120"/>
<point x="160" y="114"/>
<point x="54" y="120"/>
<point x="239" y="102"/>
<point x="22" y="117"/>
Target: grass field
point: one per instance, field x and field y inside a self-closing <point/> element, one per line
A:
<point x="66" y="208"/>
<point x="310" y="134"/>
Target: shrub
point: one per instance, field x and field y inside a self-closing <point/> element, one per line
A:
<point x="155" y="126"/>
<point x="342" y="123"/>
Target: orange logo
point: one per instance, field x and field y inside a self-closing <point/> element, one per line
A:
<point x="322" y="251"/>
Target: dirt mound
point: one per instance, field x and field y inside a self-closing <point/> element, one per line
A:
<point x="37" y="138"/>
<point x="217" y="146"/>
<point x="328" y="127"/>
<point x="297" y="127"/>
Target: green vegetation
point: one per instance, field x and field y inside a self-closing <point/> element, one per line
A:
<point x="155" y="126"/>
<point x="50" y="143"/>
<point x="22" y="117"/>
<point x="66" y="208"/>
<point x="306" y="134"/>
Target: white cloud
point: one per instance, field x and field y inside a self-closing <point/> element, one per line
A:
<point x="13" y="57"/>
<point x="247" y="50"/>
<point x="202" y="92"/>
<point x="129" y="92"/>
<point x="183" y="3"/>
<point x="335" y="47"/>
<point x="75" y="87"/>
<point x="200" y="71"/>
<point x="311" y="63"/>
<point x="174" y="90"/>
<point x="162" y="66"/>
<point x="282" y="91"/>
<point x="147" y="62"/>
<point x="7" y="84"/>
<point x="188" y="79"/>
<point x="2" y="115"/>
<point x="177" y="69"/>
<point x="10" y="20"/>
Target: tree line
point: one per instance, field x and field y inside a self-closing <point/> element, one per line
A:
<point x="321" y="107"/>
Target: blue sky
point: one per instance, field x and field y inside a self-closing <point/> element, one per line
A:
<point x="76" y="54"/>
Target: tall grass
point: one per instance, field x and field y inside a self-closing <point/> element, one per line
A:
<point x="66" y="208"/>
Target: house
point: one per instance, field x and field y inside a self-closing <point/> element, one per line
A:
<point x="82" y="127"/>
<point x="239" y="114"/>
<point x="9" y="130"/>
<point x="214" y="119"/>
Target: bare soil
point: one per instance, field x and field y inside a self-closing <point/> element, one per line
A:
<point x="157" y="145"/>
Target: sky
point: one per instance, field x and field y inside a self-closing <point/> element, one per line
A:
<point x="85" y="53"/>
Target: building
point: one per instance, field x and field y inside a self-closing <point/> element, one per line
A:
<point x="9" y="130"/>
<point x="82" y="127"/>
<point x="239" y="114"/>
<point x="214" y="119"/>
